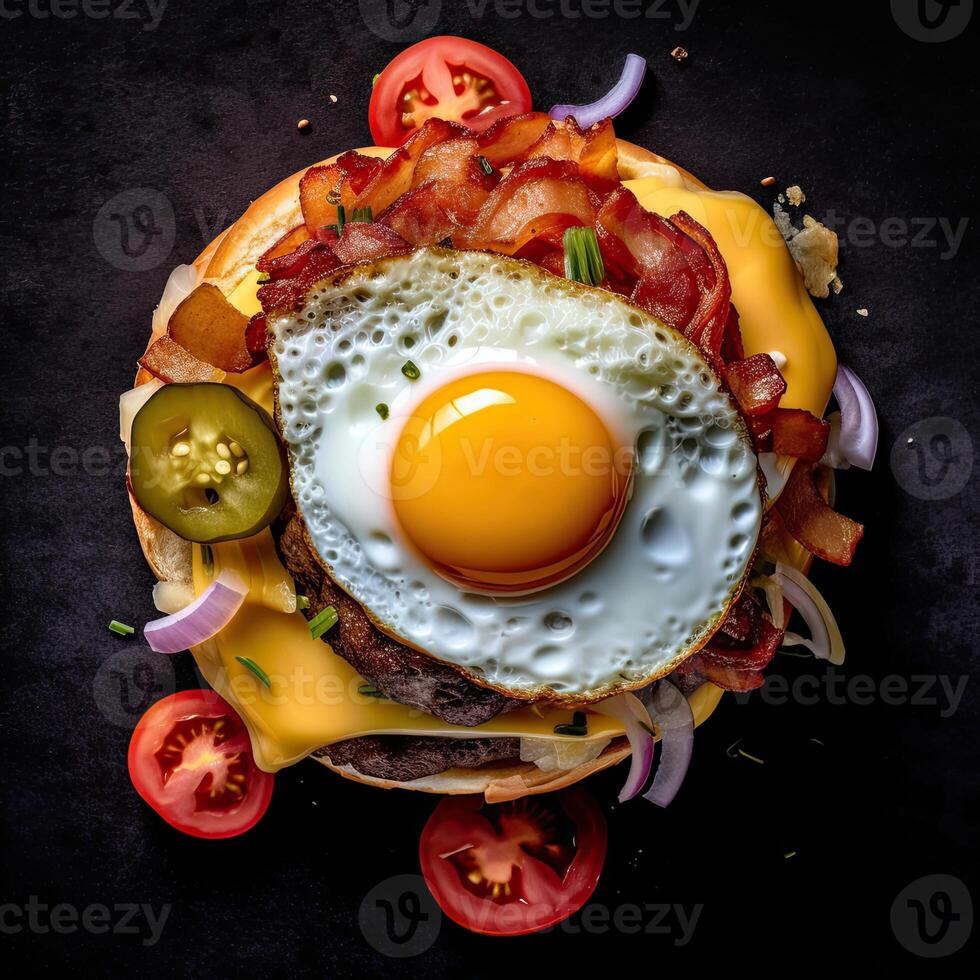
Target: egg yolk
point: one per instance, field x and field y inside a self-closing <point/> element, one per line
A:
<point x="507" y="482"/>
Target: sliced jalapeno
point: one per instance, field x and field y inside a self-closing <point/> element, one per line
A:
<point x="207" y="462"/>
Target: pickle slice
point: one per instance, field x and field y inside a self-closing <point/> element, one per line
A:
<point x="206" y="462"/>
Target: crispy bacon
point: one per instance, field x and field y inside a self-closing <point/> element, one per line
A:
<point x="726" y="678"/>
<point x="756" y="384"/>
<point x="449" y="187"/>
<point x="321" y="189"/>
<point x="594" y="150"/>
<point x="795" y="432"/>
<point x="533" y="198"/>
<point x="288" y="243"/>
<point x="288" y="293"/>
<point x="362" y="241"/>
<point x="291" y="263"/>
<point x="255" y="331"/>
<point x="394" y="176"/>
<point x="508" y="139"/>
<point x="810" y="519"/>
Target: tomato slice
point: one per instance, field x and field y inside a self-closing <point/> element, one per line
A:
<point x="448" y="78"/>
<point x="513" y="868"/>
<point x="190" y="758"/>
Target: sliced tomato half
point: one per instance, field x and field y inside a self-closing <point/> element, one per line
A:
<point x="513" y="868"/>
<point x="190" y="758"/>
<point x="448" y="78"/>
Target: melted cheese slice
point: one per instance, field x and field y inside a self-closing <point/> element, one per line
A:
<point x="315" y="696"/>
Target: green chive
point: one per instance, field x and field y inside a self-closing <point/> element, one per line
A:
<point x="207" y="560"/>
<point x="121" y="628"/>
<point x="255" y="669"/>
<point x="789" y="854"/>
<point x="411" y="371"/>
<point x="364" y="215"/>
<point x="748" y="755"/>
<point x="367" y="691"/>
<point x="302" y="602"/>
<point x="382" y="409"/>
<point x="324" y="620"/>
<point x="374" y="81"/>
<point x="583" y="262"/>
<point x="341" y="218"/>
<point x="485" y="164"/>
<point x="647" y="729"/>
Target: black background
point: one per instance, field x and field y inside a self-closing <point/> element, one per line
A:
<point x="203" y="108"/>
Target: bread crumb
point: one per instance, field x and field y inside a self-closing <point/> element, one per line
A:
<point x="303" y="124"/>
<point x="814" y="248"/>
<point x="795" y="195"/>
<point x="679" y="53"/>
<point x="862" y="312"/>
<point x="333" y="98"/>
<point x="768" y="181"/>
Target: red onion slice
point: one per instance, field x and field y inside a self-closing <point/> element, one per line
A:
<point x="209" y="613"/>
<point x="613" y="102"/>
<point x="825" y="640"/>
<point x="858" y="419"/>
<point x="629" y="710"/>
<point x="670" y="712"/>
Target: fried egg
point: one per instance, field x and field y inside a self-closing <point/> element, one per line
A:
<point x="528" y="478"/>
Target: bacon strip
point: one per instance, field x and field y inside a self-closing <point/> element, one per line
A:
<point x="756" y="384"/>
<point x="362" y="241"/>
<point x="593" y="149"/>
<point x="808" y="517"/>
<point x="509" y="139"/>
<point x="795" y="432"/>
<point x="533" y="198"/>
<point x="289" y="293"/>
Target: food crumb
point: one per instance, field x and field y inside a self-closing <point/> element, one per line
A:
<point x="862" y="312"/>
<point x="333" y="98"/>
<point x="303" y="124"/>
<point x="767" y="181"/>
<point x="795" y="195"/>
<point x="814" y="248"/>
<point x="679" y="53"/>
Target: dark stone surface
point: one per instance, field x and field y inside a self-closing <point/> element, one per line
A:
<point x="202" y="108"/>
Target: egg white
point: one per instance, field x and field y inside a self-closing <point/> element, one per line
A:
<point x="689" y="530"/>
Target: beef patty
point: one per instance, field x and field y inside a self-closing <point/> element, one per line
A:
<point x="398" y="671"/>
<point x="405" y="757"/>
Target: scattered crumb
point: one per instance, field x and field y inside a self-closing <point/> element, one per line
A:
<point x="679" y="53"/>
<point x="862" y="312"/>
<point x="768" y="181"/>
<point x="795" y="195"/>
<point x="781" y="198"/>
<point x="814" y="249"/>
<point x="333" y="98"/>
<point x="303" y="124"/>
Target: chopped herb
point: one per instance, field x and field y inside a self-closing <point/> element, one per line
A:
<point x="121" y="628"/>
<point x="485" y="165"/>
<point x="207" y="560"/>
<point x="411" y="371"/>
<point x="365" y="215"/>
<point x="255" y="669"/>
<point x="647" y="729"/>
<point x="341" y="218"/>
<point x="302" y="602"/>
<point x="367" y="691"/>
<point x="578" y="726"/>
<point x="324" y="620"/>
<point x="583" y="263"/>
<point x="789" y="854"/>
<point x="748" y="755"/>
<point x="374" y="81"/>
<point x="265" y="277"/>
<point x="382" y="409"/>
